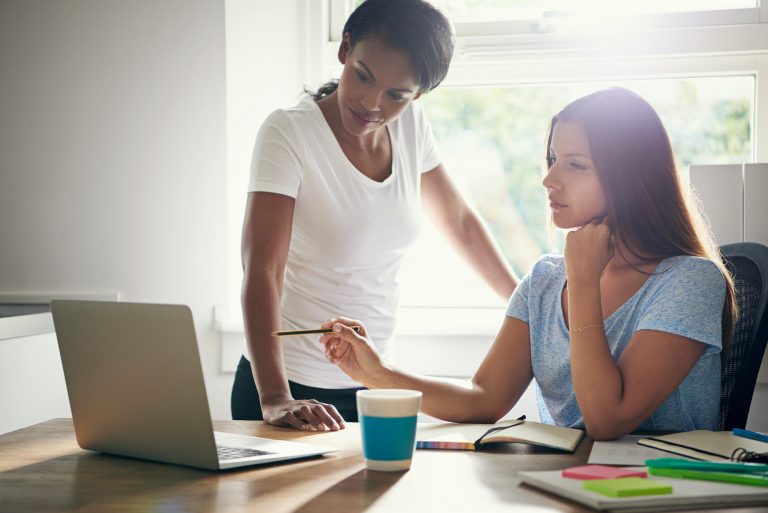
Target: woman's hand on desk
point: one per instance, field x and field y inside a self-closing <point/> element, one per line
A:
<point x="352" y="351"/>
<point x="307" y="414"/>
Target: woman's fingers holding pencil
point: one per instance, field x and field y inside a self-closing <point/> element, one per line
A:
<point x="333" y="340"/>
<point x="346" y="322"/>
<point x="353" y="352"/>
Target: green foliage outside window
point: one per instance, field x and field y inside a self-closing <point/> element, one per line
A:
<point x="492" y="139"/>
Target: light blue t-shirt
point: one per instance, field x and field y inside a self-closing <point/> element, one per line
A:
<point x="684" y="296"/>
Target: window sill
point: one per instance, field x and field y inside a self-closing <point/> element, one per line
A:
<point x="424" y="330"/>
<point x="25" y="325"/>
<point x="412" y="321"/>
<point x="29" y="313"/>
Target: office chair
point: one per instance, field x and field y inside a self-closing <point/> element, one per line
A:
<point x="748" y="264"/>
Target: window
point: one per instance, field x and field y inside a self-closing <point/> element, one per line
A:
<point x="701" y="63"/>
<point x="517" y="63"/>
<point x="504" y="17"/>
<point x="462" y="11"/>
<point x="492" y="140"/>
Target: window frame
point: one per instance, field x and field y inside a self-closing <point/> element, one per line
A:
<point x="665" y="45"/>
<point x="672" y="46"/>
<point x="553" y="21"/>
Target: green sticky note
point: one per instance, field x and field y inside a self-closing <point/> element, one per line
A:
<point x="627" y="487"/>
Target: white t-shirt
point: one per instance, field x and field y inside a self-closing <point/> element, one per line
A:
<point x="350" y="233"/>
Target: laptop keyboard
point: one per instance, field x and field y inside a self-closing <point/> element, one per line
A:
<point x="231" y="453"/>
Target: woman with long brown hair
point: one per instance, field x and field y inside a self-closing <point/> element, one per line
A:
<point x="621" y="333"/>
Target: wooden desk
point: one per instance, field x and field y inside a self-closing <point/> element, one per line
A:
<point x="43" y="470"/>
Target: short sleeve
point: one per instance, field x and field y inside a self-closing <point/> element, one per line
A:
<point x="689" y="303"/>
<point x="276" y="166"/>
<point x="518" y="303"/>
<point x="429" y="155"/>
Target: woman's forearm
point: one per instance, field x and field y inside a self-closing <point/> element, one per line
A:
<point x="597" y="380"/>
<point x="266" y="238"/>
<point x="477" y="246"/>
<point x="450" y="400"/>
<point x="466" y="232"/>
<point x="261" y="316"/>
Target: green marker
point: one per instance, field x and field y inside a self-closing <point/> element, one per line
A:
<point x="725" y="477"/>
<point x="707" y="466"/>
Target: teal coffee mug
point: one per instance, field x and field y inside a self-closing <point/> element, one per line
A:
<point x="388" y="427"/>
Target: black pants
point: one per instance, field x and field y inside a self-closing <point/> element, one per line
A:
<point x="245" y="396"/>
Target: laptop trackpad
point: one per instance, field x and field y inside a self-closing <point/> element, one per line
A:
<point x="279" y="447"/>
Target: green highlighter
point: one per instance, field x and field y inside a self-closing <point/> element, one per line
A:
<point x="627" y="487"/>
<point x="753" y="474"/>
<point x="725" y="477"/>
<point x="708" y="466"/>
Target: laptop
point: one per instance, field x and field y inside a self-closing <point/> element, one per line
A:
<point x="136" y="389"/>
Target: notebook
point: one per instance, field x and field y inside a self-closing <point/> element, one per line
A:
<point x="703" y="445"/>
<point x="135" y="386"/>
<point x="622" y="451"/>
<point x="479" y="436"/>
<point x="686" y="493"/>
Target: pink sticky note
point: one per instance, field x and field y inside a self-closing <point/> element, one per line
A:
<point x="601" y="472"/>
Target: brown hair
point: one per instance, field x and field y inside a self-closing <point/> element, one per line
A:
<point x="647" y="206"/>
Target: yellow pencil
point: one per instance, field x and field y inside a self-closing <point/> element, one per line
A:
<point x="306" y="332"/>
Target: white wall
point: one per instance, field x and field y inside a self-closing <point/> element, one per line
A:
<point x="267" y="68"/>
<point x="113" y="157"/>
<point x="31" y="382"/>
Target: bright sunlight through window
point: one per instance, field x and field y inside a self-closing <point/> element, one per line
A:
<point x="492" y="141"/>
<point x="494" y="10"/>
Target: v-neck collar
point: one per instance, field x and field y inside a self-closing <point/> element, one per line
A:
<point x="333" y="143"/>
<point x="660" y="268"/>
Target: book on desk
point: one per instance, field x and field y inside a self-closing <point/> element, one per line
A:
<point x="704" y="445"/>
<point x="475" y="437"/>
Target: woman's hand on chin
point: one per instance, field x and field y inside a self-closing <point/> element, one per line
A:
<point x="588" y="251"/>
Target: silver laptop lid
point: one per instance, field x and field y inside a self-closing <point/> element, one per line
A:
<point x="135" y="381"/>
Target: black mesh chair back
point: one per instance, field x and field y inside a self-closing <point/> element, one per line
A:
<point x="748" y="263"/>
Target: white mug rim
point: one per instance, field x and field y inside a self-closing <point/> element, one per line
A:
<point x="389" y="393"/>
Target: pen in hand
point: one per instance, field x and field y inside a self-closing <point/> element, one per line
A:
<point x="307" y="332"/>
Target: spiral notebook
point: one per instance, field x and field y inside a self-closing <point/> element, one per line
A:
<point x="704" y="445"/>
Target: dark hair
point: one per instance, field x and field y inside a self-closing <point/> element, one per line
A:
<point x="414" y="26"/>
<point x="647" y="205"/>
